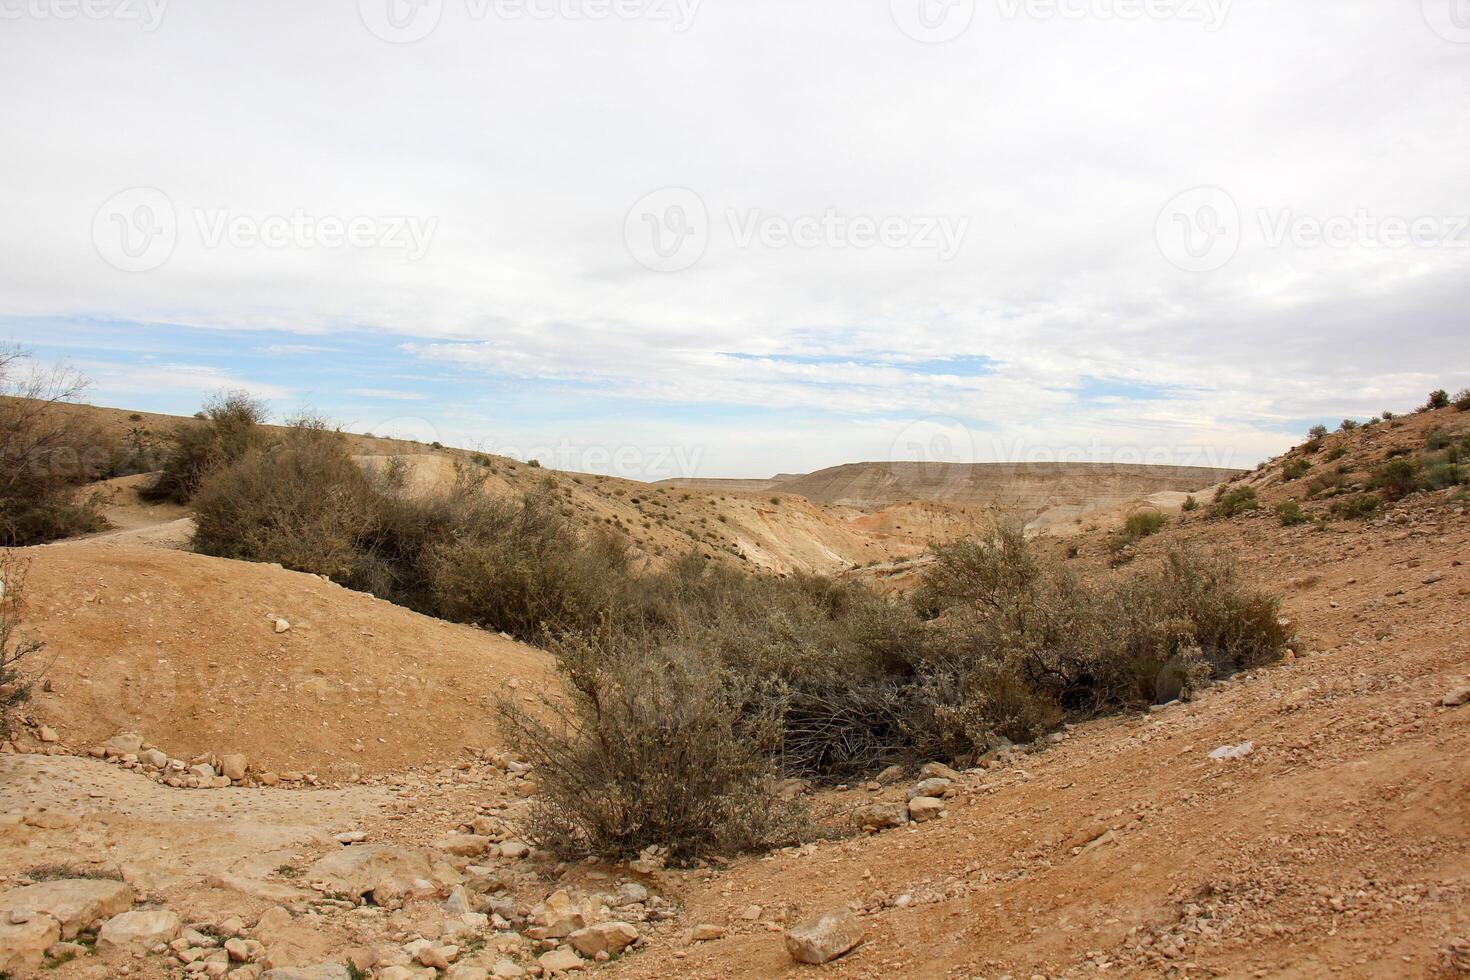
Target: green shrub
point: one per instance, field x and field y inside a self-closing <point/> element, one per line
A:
<point x="1317" y="432"/>
<point x="1396" y="478"/>
<point x="47" y="455"/>
<point x="1389" y="416"/>
<point x="1337" y="453"/>
<point x="1235" y="502"/>
<point x="1437" y="399"/>
<point x="1348" y="425"/>
<point x="1357" y="507"/>
<point x="1190" y="504"/>
<point x="1143" y="524"/>
<point x="1291" y="514"/>
<point x="1295" y="469"/>
<point x="229" y="428"/>
<point x="1462" y="399"/>
<point x="1325" y="485"/>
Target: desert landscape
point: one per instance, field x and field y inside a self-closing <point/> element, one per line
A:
<point x="601" y="489"/>
<point x="231" y="768"/>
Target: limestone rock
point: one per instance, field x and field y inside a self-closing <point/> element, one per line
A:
<point x="936" y="786"/>
<point x="603" y="937"/>
<point x="706" y="932"/>
<point x="138" y="930"/>
<point x="358" y="870"/>
<point x="322" y="971"/>
<point x="881" y="815"/>
<point x="126" y="744"/>
<point x="23" y="945"/>
<point x="824" y="938"/>
<point x="464" y="845"/>
<point x="925" y="808"/>
<point x="1456" y="698"/>
<point x="74" y="903"/>
<point x="232" y="767"/>
<point x="560" y="961"/>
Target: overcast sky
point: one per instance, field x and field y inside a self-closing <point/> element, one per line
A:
<point x="736" y="237"/>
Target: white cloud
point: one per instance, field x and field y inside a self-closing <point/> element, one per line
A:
<point x="1060" y="140"/>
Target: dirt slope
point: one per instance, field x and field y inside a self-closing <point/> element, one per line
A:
<point x="182" y="650"/>
<point x="1341" y="847"/>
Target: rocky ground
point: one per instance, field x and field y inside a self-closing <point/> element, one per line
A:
<point x="1332" y="839"/>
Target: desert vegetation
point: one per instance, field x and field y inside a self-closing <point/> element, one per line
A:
<point x="227" y="428"/>
<point x="15" y="647"/>
<point x="694" y="686"/>
<point x="47" y="455"/>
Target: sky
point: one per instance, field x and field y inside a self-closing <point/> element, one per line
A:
<point x="662" y="238"/>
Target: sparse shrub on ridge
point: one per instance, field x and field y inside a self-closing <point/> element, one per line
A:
<point x="1291" y="514"/>
<point x="1462" y="399"/>
<point x="1235" y="502"/>
<point x="1356" y="507"/>
<point x="225" y="430"/>
<point x="1437" y="399"/>
<point x="1190" y="504"/>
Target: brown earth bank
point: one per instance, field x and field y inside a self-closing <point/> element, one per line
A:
<point x="184" y="650"/>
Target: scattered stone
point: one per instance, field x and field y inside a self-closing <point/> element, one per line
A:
<point x="48" y="734"/>
<point x="824" y="938"/>
<point x="937" y="770"/>
<point x="706" y="932"/>
<point x="508" y="970"/>
<point x="282" y="626"/>
<point x="351" y="837"/>
<point x="889" y="776"/>
<point x="515" y="850"/>
<point x="936" y="786"/>
<point x="922" y="809"/>
<point x="23" y="944"/>
<point x="138" y="930"/>
<point x="358" y="870"/>
<point x="881" y="816"/>
<point x="232" y="767"/>
<point x="153" y="758"/>
<point x="464" y="845"/>
<point x="603" y="937"/>
<point x="561" y="961"/>
<point x="322" y="971"/>
<point x="125" y="744"/>
<point x="1230" y="753"/>
<point x="1459" y="696"/>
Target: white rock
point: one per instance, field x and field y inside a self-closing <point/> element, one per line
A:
<point x="282" y="626"/>
<point x="922" y="809"/>
<point x="1228" y="753"/>
<point x="75" y="903"/>
<point x="138" y="930"/>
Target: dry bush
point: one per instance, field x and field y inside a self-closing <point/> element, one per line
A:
<point x="46" y="455"/>
<point x="654" y="752"/>
<point x="1232" y="503"/>
<point x="1049" y="644"/>
<point x="222" y="433"/>
<point x="15" y="646"/>
<point x="301" y="502"/>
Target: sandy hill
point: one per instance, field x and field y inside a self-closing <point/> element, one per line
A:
<point x="183" y="650"/>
